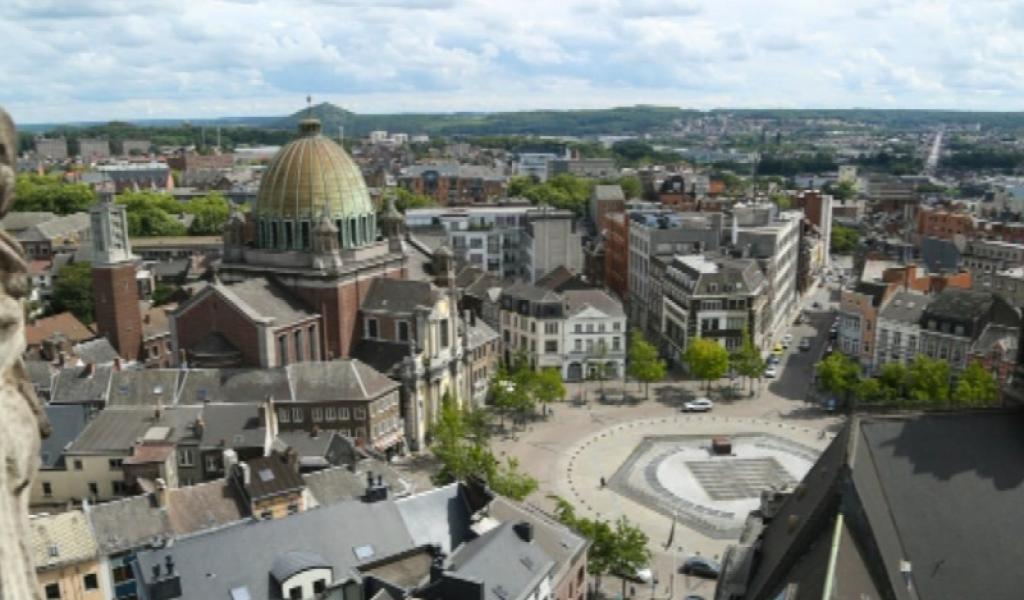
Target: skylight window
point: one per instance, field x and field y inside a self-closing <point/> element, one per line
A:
<point x="364" y="552"/>
<point x="266" y="475"/>
<point x="240" y="593"/>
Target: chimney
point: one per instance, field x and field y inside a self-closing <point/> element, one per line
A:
<point x="182" y="359"/>
<point x="524" y="530"/>
<point x="117" y="363"/>
<point x="169" y="565"/>
<point x="291" y="458"/>
<point x="198" y="427"/>
<point x="161" y="492"/>
<point x="246" y="474"/>
<point x="145" y="318"/>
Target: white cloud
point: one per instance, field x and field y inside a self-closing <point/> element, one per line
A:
<point x="107" y="59"/>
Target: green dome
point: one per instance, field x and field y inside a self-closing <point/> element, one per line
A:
<point x="309" y="178"/>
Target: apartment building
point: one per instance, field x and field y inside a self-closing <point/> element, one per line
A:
<point x="899" y="330"/>
<point x="774" y="241"/>
<point x="594" y="342"/>
<point x="713" y="297"/>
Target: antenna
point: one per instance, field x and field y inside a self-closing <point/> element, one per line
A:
<point x="309" y="106"/>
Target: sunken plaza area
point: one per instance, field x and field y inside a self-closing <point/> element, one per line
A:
<point x="663" y="470"/>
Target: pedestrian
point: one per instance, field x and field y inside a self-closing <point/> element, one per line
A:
<point x="602" y="482"/>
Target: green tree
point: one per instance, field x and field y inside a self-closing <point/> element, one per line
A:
<point x="619" y="550"/>
<point x="782" y="201"/>
<point x="508" y="480"/>
<point x="631" y="186"/>
<point x="929" y="381"/>
<point x="869" y="391"/>
<point x="50" y="193"/>
<point x="838" y="375"/>
<point x="405" y="199"/>
<point x="151" y="214"/>
<point x="548" y="387"/>
<point x="844" y="190"/>
<point x="72" y="291"/>
<point x="707" y="359"/>
<point x="210" y="213"/>
<point x="747" y="361"/>
<point x="644" y="364"/>
<point x="894" y="378"/>
<point x="976" y="387"/>
<point x="844" y="239"/>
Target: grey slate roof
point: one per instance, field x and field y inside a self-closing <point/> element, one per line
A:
<point x="559" y="542"/>
<point x="349" y="379"/>
<point x="960" y="304"/>
<point x="399" y="296"/>
<point x="98" y="351"/>
<point x="234" y="385"/>
<point x="67" y="421"/>
<point x="295" y="562"/>
<point x="236" y="425"/>
<point x="204" y="506"/>
<point x="940" y="256"/>
<point x="147" y="387"/>
<point x="41" y="374"/>
<point x="942" y="498"/>
<point x="339" y="484"/>
<point x="526" y="291"/>
<point x="210" y="564"/>
<point x="579" y="300"/>
<point x="73" y="385"/>
<point x="128" y="523"/>
<point x="508" y="565"/>
<point x="383" y="356"/>
<point x="904" y="307"/>
<point x="271" y="476"/>
<point x="56" y="227"/>
<point x="420" y="515"/>
<point x="480" y="333"/>
<point x="261" y="300"/>
<point x="115" y="430"/>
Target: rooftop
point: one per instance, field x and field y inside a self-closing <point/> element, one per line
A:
<point x="61" y="539"/>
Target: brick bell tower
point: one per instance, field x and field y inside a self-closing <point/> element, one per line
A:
<point x="115" y="291"/>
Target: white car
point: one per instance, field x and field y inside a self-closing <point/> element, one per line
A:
<point x="698" y="405"/>
<point x="787" y="340"/>
<point x="770" y="372"/>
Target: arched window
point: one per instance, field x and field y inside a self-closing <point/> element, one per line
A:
<point x="355" y="232"/>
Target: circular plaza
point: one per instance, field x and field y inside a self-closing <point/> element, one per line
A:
<point x="700" y="473"/>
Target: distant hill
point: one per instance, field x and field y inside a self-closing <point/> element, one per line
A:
<point x="611" y="121"/>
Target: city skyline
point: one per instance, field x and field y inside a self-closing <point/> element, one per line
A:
<point x="104" y="60"/>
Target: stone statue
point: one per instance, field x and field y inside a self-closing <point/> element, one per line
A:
<point x="22" y="420"/>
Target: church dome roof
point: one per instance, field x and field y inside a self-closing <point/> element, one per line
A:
<point x="312" y="176"/>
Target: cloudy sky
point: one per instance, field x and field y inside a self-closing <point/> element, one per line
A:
<point x="67" y="60"/>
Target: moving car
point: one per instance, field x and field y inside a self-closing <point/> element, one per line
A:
<point x="805" y="343"/>
<point x="698" y="405"/>
<point x="700" y="567"/>
<point x="770" y="372"/>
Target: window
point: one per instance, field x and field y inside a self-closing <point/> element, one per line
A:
<point x="78" y="465"/>
<point x="91" y="582"/>
<point x="298" y="415"/>
<point x="371" y="328"/>
<point x="212" y="464"/>
<point x="119" y="488"/>
<point x="579" y="328"/>
<point x="551" y="328"/>
<point x="403" y="331"/>
<point x="360" y="413"/>
<point x="293" y="508"/>
<point x="282" y="349"/>
<point x="590" y="328"/>
<point x="115" y="463"/>
<point x="123" y="573"/>
<point x="319" y="586"/>
<point x="579" y="345"/>
<point x="300" y="353"/>
<point x="343" y="413"/>
<point x="94" y="488"/>
<point x="360" y="432"/>
<point x="266" y="515"/>
<point x="318" y="414"/>
<point x="551" y="347"/>
<point x="331" y="413"/>
<point x="53" y="591"/>
<point x="443" y="325"/>
<point x="47" y="488"/>
<point x="615" y="343"/>
<point x="295" y="593"/>
<point x="600" y="327"/>
<point x="283" y="415"/>
<point x="185" y="457"/>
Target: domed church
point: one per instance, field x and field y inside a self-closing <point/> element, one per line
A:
<point x="296" y="268"/>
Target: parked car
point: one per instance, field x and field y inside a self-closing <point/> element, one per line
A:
<point x="772" y="360"/>
<point x="805" y="343"/>
<point x="642" y="575"/>
<point x="698" y="405"/>
<point x="770" y="372"/>
<point x="787" y="339"/>
<point x="779" y="349"/>
<point x="700" y="567"/>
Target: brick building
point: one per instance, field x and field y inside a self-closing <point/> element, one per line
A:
<point x="115" y="291"/>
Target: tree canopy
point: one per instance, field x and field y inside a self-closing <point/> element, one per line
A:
<point x="838" y="374"/>
<point x="562" y="191"/>
<point x="747" y="361"/>
<point x="405" y="199"/>
<point x="72" y="291"/>
<point x="156" y="214"/>
<point x="644" y="364"/>
<point x="50" y="193"/>
<point x="707" y="359"/>
<point x="844" y="239"/>
<point x="976" y="387"/>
